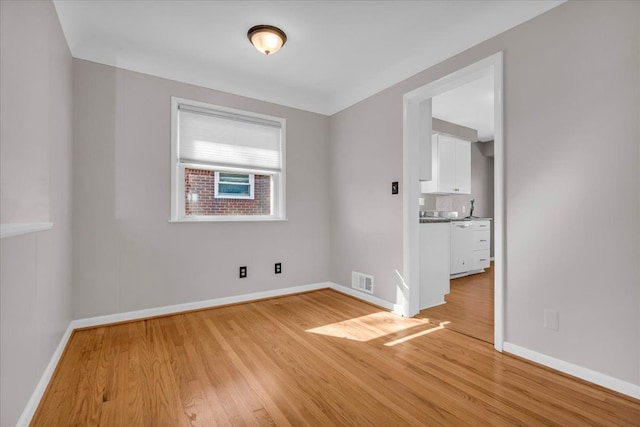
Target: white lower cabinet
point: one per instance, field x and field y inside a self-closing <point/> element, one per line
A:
<point x="481" y="244"/>
<point x="434" y="264"/>
<point x="470" y="245"/>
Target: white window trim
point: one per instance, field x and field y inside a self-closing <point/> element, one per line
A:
<point x="251" y="184"/>
<point x="278" y="180"/>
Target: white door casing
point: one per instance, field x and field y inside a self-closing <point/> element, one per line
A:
<point x="417" y="104"/>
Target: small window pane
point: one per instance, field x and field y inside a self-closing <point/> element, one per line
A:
<point x="235" y="189"/>
<point x="233" y="177"/>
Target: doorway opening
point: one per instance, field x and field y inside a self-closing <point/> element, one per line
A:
<point x="420" y="173"/>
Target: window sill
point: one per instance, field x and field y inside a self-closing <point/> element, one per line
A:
<point x="231" y="219"/>
<point x="18" y="228"/>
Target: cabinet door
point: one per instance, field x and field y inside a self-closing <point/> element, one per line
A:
<point x="481" y="240"/>
<point x="463" y="167"/>
<point x="461" y="246"/>
<point x="481" y="225"/>
<point x="435" y="240"/>
<point x="431" y="185"/>
<point x="481" y="259"/>
<point x="447" y="164"/>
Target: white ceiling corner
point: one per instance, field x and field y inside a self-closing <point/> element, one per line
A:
<point x="337" y="53"/>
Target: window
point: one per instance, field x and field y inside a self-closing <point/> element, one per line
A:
<point x="234" y="185"/>
<point x="226" y="164"/>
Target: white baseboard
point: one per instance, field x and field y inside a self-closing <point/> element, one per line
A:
<point x="216" y="302"/>
<point x="34" y="400"/>
<point x="586" y="374"/>
<point x="433" y="304"/>
<point x="197" y="305"/>
<point x="179" y="308"/>
<point x="362" y="296"/>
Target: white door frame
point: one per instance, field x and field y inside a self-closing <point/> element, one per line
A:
<point x="417" y="104"/>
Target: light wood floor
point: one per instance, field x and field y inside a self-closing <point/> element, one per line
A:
<point x="469" y="308"/>
<point x="314" y="359"/>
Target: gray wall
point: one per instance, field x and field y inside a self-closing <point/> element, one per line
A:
<point x="571" y="140"/>
<point x="366" y="219"/>
<point x="24" y="91"/>
<point x="35" y="269"/>
<point x="127" y="256"/>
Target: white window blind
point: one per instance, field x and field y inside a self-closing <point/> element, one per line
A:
<point x="225" y="139"/>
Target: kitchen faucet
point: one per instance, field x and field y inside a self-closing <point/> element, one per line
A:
<point x="471" y="210"/>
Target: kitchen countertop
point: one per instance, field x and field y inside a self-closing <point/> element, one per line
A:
<point x="472" y="219"/>
<point x="432" y="220"/>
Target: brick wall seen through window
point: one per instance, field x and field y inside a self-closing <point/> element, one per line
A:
<point x="199" y="186"/>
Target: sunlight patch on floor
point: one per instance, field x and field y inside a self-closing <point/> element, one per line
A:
<point x="416" y="335"/>
<point x="368" y="327"/>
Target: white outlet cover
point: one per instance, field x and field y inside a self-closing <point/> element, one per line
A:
<point x="421" y="201"/>
<point x="551" y="319"/>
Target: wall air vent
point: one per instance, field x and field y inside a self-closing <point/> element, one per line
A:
<point x="362" y="282"/>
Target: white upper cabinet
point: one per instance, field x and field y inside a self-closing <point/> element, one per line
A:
<point x="450" y="167"/>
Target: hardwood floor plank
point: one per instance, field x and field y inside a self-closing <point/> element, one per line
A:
<point x="319" y="358"/>
<point x="469" y="306"/>
<point x="369" y="381"/>
<point x="273" y="363"/>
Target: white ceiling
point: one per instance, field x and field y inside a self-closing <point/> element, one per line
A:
<point x="469" y="105"/>
<point x="337" y="53"/>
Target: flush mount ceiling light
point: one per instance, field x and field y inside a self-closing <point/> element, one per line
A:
<point x="267" y="39"/>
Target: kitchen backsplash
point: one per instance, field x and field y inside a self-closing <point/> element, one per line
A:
<point x="445" y="203"/>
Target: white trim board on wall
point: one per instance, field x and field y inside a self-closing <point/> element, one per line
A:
<point x="18" y="228"/>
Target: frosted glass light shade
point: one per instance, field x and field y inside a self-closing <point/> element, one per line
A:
<point x="267" y="39"/>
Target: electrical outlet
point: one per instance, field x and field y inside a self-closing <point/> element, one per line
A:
<point x="394" y="187"/>
<point x="551" y="319"/>
<point x="421" y="201"/>
<point x="243" y="272"/>
<point x="464" y="209"/>
<point x="278" y="268"/>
